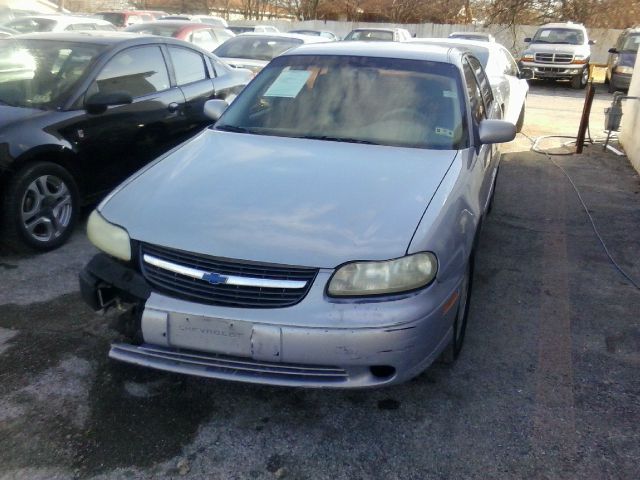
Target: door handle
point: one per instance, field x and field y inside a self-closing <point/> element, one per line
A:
<point x="173" y="107"/>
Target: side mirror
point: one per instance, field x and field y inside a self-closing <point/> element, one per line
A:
<point x="592" y="42"/>
<point x="496" y="131"/>
<point x="215" y="108"/>
<point x="98" y="102"/>
<point x="526" y="74"/>
<point x="527" y="40"/>
<point x="613" y="50"/>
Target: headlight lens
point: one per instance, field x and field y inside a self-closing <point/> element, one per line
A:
<point x="624" y="69"/>
<point x="108" y="237"/>
<point x="527" y="57"/>
<point x="386" y="277"/>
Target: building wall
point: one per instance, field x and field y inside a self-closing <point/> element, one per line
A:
<point x="630" y="128"/>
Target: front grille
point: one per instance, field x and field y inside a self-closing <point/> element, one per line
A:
<point x="224" y="366"/>
<point x="201" y="291"/>
<point x="554" y="58"/>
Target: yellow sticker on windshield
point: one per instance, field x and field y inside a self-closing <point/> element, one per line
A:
<point x="288" y="84"/>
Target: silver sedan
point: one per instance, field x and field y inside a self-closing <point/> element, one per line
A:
<point x="321" y="234"/>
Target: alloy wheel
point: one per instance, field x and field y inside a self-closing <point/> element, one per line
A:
<point x="46" y="208"/>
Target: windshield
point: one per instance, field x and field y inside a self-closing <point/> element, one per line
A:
<point x="383" y="101"/>
<point x="30" y="25"/>
<point x="569" y="36"/>
<point x="631" y="44"/>
<point x="155" y="29"/>
<point x="114" y="17"/>
<point x="255" y="47"/>
<point x="39" y="73"/>
<point x="372" y="35"/>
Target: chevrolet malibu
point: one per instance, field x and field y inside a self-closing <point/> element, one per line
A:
<point x="321" y="234"/>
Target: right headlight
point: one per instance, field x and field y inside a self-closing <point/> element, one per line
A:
<point x="108" y="237"/>
<point x="527" y="57"/>
<point x="385" y="277"/>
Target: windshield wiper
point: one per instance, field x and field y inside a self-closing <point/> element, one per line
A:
<point x="338" y="139"/>
<point x="233" y="128"/>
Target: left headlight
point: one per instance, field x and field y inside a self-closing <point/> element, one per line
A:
<point x="386" y="277"/>
<point x="108" y="237"/>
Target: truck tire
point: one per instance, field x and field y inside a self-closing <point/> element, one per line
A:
<point x="580" y="81"/>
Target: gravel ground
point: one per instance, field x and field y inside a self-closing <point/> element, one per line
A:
<point x="546" y="387"/>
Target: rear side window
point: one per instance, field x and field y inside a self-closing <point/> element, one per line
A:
<point x="187" y="65"/>
<point x="473" y="92"/>
<point x="138" y="71"/>
<point x="485" y="86"/>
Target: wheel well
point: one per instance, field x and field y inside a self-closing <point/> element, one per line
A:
<point x="62" y="158"/>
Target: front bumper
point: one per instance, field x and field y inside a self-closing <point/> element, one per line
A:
<point x="316" y="343"/>
<point x="558" y="72"/>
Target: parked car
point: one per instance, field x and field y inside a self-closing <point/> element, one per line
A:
<point x="208" y="19"/>
<point x="255" y="50"/>
<point x="318" y="33"/>
<point x="7" y="32"/>
<point x="125" y="18"/>
<point x="559" y="51"/>
<point x="509" y="84"/>
<point x="379" y="34"/>
<point x="201" y="34"/>
<point x="57" y="23"/>
<point x="313" y="237"/>
<point x="478" y="36"/>
<point x="622" y="59"/>
<point x="79" y="112"/>
<point x="238" y="29"/>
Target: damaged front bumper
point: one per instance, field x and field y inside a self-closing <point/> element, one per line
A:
<point x="315" y="343"/>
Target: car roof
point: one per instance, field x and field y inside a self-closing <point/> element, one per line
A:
<point x="456" y="41"/>
<point x="96" y="37"/>
<point x="177" y="23"/>
<point x="577" y="26"/>
<point x="64" y="18"/>
<point x="305" y="38"/>
<point x="404" y="50"/>
<point x="376" y="29"/>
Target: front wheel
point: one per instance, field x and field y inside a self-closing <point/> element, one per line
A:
<point x="580" y="81"/>
<point x="452" y="351"/>
<point x="40" y="207"/>
<point x="520" y="122"/>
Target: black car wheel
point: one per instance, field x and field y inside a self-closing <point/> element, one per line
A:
<point x="452" y="351"/>
<point x="40" y="207"/>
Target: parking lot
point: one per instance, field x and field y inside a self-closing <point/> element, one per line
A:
<point x="547" y="385"/>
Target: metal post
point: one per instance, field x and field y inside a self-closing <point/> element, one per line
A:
<point x="584" y="121"/>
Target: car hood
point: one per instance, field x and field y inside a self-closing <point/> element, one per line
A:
<point x="248" y="63"/>
<point x="559" y="48"/>
<point x="281" y="200"/>
<point x="10" y="116"/>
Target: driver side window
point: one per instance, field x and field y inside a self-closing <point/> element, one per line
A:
<point x="138" y="71"/>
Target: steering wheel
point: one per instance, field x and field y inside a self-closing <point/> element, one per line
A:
<point x="406" y="114"/>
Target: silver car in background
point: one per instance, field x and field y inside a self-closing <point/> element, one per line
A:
<point x="509" y="83"/>
<point x="321" y="234"/>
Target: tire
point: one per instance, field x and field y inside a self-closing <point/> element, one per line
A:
<point x="452" y="351"/>
<point x="520" y="122"/>
<point x="611" y="88"/>
<point x="580" y="81"/>
<point x="40" y="207"/>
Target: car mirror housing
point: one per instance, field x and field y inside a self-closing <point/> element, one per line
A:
<point x="613" y="50"/>
<point x="98" y="102"/>
<point x="496" y="131"/>
<point x="527" y="40"/>
<point x="592" y="42"/>
<point x="214" y="109"/>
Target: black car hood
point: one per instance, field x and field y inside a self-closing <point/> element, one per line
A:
<point x="13" y="115"/>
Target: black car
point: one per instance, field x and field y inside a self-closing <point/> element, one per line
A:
<point x="79" y="112"/>
<point x="622" y="59"/>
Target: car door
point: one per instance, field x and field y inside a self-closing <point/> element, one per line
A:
<point x="483" y="107"/>
<point x="117" y="142"/>
<point x="517" y="87"/>
<point x="195" y="79"/>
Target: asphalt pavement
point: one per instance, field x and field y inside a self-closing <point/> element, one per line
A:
<point x="547" y="385"/>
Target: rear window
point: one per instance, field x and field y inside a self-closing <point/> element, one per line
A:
<point x="372" y="35"/>
<point x="255" y="47"/>
<point x="114" y="17"/>
<point x="30" y="25"/>
<point x="155" y="29"/>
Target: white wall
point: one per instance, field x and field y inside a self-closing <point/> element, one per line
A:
<point x="513" y="39"/>
<point x="630" y="128"/>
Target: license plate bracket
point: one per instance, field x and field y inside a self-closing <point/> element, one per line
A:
<point x="208" y="334"/>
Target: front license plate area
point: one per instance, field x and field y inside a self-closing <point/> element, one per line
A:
<point x="215" y="335"/>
